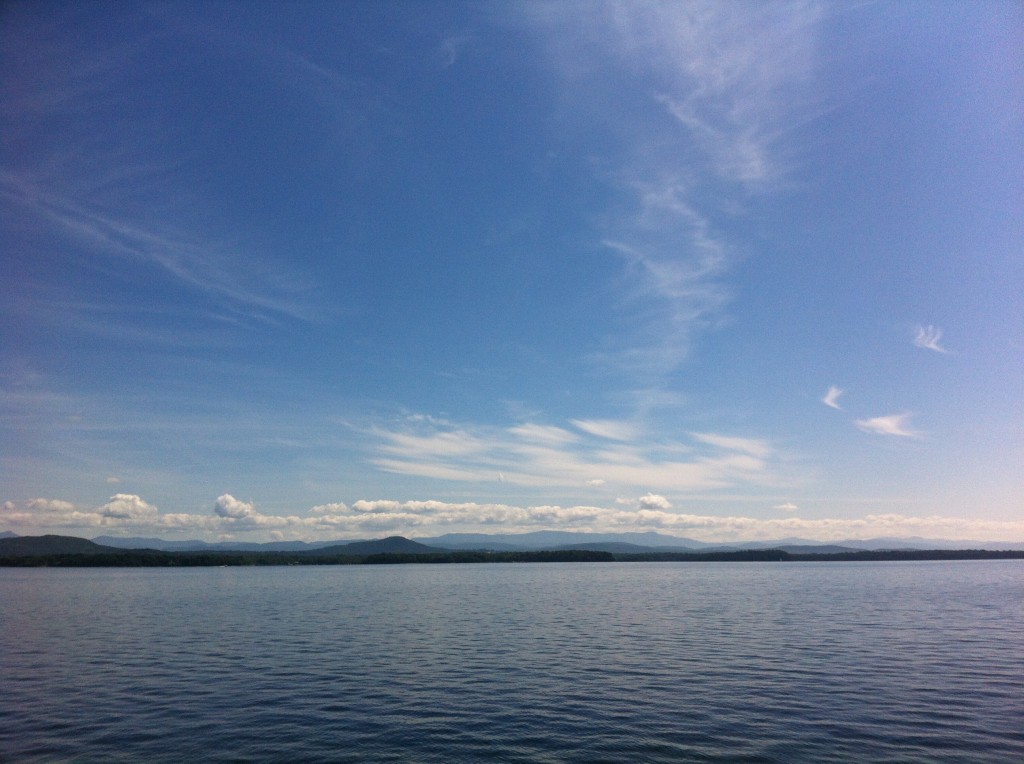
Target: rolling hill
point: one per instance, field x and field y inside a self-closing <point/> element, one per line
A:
<point x="32" y="546"/>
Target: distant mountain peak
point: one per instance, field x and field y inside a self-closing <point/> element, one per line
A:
<point x="30" y="546"/>
<point x="389" y="545"/>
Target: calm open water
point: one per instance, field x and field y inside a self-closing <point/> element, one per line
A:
<point x="615" y="662"/>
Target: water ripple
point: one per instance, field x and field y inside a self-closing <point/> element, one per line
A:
<point x="919" y="662"/>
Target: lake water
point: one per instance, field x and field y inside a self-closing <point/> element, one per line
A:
<point x="603" y="662"/>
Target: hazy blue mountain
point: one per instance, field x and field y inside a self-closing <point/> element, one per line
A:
<point x="390" y="545"/>
<point x="652" y="541"/>
<point x="475" y="541"/>
<point x="916" y="542"/>
<point x="296" y="546"/>
<point x="555" y="539"/>
<point x="770" y="544"/>
<point x="542" y="540"/>
<point x="621" y="547"/>
<point x="194" y="545"/>
<point x="164" y="545"/>
<point x="816" y="548"/>
<point x="618" y="547"/>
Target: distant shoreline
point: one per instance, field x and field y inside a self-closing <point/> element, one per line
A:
<point x="152" y="558"/>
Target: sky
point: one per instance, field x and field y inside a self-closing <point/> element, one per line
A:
<point x="722" y="270"/>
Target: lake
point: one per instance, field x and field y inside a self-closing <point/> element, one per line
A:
<point x="599" y="662"/>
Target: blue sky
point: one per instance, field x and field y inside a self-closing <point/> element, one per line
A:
<point x="344" y="270"/>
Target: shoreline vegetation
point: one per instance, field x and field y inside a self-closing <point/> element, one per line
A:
<point x="73" y="552"/>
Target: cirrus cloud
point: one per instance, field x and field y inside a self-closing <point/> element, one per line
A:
<point x="831" y="398"/>
<point x="717" y="88"/>
<point x="928" y="337"/>
<point x="894" y="424"/>
<point x="607" y="428"/>
<point x="550" y="457"/>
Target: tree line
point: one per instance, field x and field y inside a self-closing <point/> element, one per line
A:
<point x="136" y="558"/>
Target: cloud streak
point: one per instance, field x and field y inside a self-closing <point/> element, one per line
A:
<point x="752" y="446"/>
<point x="200" y="265"/>
<point x="535" y="455"/>
<point x="607" y="428"/>
<point x="894" y="424"/>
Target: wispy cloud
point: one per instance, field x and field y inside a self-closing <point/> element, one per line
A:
<point x="787" y="507"/>
<point x="452" y="47"/>
<point x="544" y="433"/>
<point x="831" y="398"/>
<point x="928" y="337"/>
<point x="731" y="77"/>
<point x="719" y="89"/>
<point x="676" y="293"/>
<point x="258" y="290"/>
<point x="535" y="455"/>
<point x="752" y="446"/>
<point x="110" y="175"/>
<point x="894" y="424"/>
<point x="607" y="428"/>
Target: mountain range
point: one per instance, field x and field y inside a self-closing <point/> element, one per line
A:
<point x="623" y="543"/>
<point x="31" y="546"/>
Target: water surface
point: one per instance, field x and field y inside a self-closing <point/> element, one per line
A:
<point x="756" y="662"/>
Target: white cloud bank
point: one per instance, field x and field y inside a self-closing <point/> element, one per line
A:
<point x="131" y="515"/>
